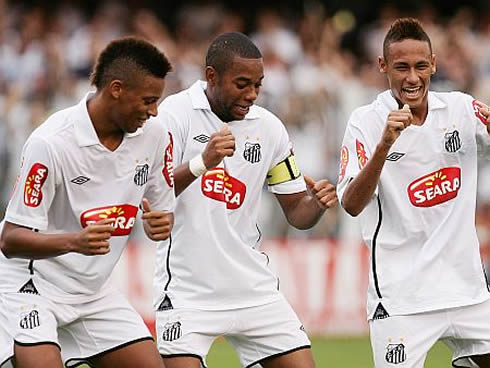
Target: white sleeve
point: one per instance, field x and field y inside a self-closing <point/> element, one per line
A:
<point x="177" y="128"/>
<point x="482" y="136"/>
<point x="35" y="187"/>
<point x="354" y="154"/>
<point x="282" y="151"/>
<point x="160" y="188"/>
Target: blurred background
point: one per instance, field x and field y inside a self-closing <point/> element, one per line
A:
<point x="320" y="63"/>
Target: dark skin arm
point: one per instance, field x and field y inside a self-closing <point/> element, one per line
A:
<point x="20" y="242"/>
<point x="361" y="189"/>
<point x="304" y="209"/>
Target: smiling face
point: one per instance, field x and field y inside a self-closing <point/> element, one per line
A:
<point x="136" y="102"/>
<point x="409" y="66"/>
<point x="233" y="91"/>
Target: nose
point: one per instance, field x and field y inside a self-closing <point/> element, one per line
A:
<point x="252" y="94"/>
<point x="153" y="110"/>
<point x="412" y="76"/>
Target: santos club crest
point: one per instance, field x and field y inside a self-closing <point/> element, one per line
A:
<point x="252" y="152"/>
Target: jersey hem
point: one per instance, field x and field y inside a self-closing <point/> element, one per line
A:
<point x="394" y="312"/>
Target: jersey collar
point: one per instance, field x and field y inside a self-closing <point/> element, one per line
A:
<point x="84" y="129"/>
<point x="200" y="101"/>
<point x="388" y="101"/>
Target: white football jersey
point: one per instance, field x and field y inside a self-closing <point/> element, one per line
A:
<point x="69" y="180"/>
<point x="420" y="224"/>
<point x="213" y="260"/>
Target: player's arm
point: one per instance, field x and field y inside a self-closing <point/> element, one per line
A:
<point x="220" y="145"/>
<point x="21" y="242"/>
<point x="361" y="189"/>
<point x="304" y="209"/>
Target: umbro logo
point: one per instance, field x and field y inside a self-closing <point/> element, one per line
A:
<point x="80" y="180"/>
<point x="395" y="156"/>
<point x="201" y="138"/>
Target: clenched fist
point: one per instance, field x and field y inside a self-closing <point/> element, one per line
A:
<point x="220" y="145"/>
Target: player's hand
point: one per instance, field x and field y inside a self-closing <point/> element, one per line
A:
<point x="397" y="121"/>
<point x="94" y="239"/>
<point x="485" y="111"/>
<point x="157" y="224"/>
<point x="323" y="192"/>
<point x="220" y="145"/>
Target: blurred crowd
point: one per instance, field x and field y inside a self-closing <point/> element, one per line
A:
<point x="313" y="77"/>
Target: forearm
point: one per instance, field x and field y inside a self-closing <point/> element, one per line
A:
<point x="20" y="242"/>
<point x="361" y="189"/>
<point x="182" y="178"/>
<point x="306" y="214"/>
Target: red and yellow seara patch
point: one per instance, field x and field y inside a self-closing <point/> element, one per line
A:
<point x="476" y="108"/>
<point x="435" y="188"/>
<point x="33" y="194"/>
<point x="218" y="185"/>
<point x="168" y="172"/>
<point x="344" y="160"/>
<point x="361" y="154"/>
<point x="124" y="216"/>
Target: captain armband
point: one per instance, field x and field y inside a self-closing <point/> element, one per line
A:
<point x="284" y="171"/>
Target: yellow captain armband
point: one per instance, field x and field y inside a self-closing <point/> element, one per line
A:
<point x="284" y="171"/>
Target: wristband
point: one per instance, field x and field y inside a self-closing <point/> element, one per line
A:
<point x="196" y="166"/>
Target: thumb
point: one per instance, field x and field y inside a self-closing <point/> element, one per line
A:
<point x="225" y="129"/>
<point x="146" y="205"/>
<point x="309" y="181"/>
<point x="406" y="107"/>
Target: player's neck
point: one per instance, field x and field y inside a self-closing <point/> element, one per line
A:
<point x="109" y="134"/>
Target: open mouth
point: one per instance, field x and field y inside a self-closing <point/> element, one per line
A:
<point x="412" y="92"/>
<point x="242" y="110"/>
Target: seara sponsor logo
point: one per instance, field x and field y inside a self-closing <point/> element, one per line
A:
<point x="168" y="172"/>
<point x="220" y="186"/>
<point x="124" y="216"/>
<point x="33" y="194"/>
<point x="361" y="154"/>
<point x="476" y="108"/>
<point x="344" y="160"/>
<point x="435" y="188"/>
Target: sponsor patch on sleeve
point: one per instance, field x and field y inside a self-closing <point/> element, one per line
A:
<point x="344" y="160"/>
<point x="476" y="108"/>
<point x="33" y="194"/>
<point x="361" y="154"/>
<point x="168" y="172"/>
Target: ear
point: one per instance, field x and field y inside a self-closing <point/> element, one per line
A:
<point x="434" y="68"/>
<point x="211" y="76"/>
<point x="115" y="88"/>
<point x="382" y="64"/>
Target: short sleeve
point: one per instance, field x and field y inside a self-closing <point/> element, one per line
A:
<point x="282" y="151"/>
<point x="36" y="186"/>
<point x="354" y="155"/>
<point x="160" y="188"/>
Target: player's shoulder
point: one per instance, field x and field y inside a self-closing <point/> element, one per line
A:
<point x="368" y="114"/>
<point x="452" y="98"/>
<point x="180" y="102"/>
<point x="55" y="125"/>
<point x="266" y="117"/>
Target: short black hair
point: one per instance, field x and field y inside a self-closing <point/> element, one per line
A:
<point x="227" y="45"/>
<point x="124" y="58"/>
<point x="405" y="29"/>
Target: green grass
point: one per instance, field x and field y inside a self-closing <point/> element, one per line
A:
<point x="354" y="352"/>
<point x="331" y="352"/>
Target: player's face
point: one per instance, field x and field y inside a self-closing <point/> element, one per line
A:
<point x="139" y="102"/>
<point x="409" y="66"/>
<point x="232" y="92"/>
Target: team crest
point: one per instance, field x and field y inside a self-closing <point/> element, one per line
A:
<point x="252" y="152"/>
<point x="29" y="320"/>
<point x="452" y="141"/>
<point x="395" y="353"/>
<point x="141" y="175"/>
<point x="172" y="331"/>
